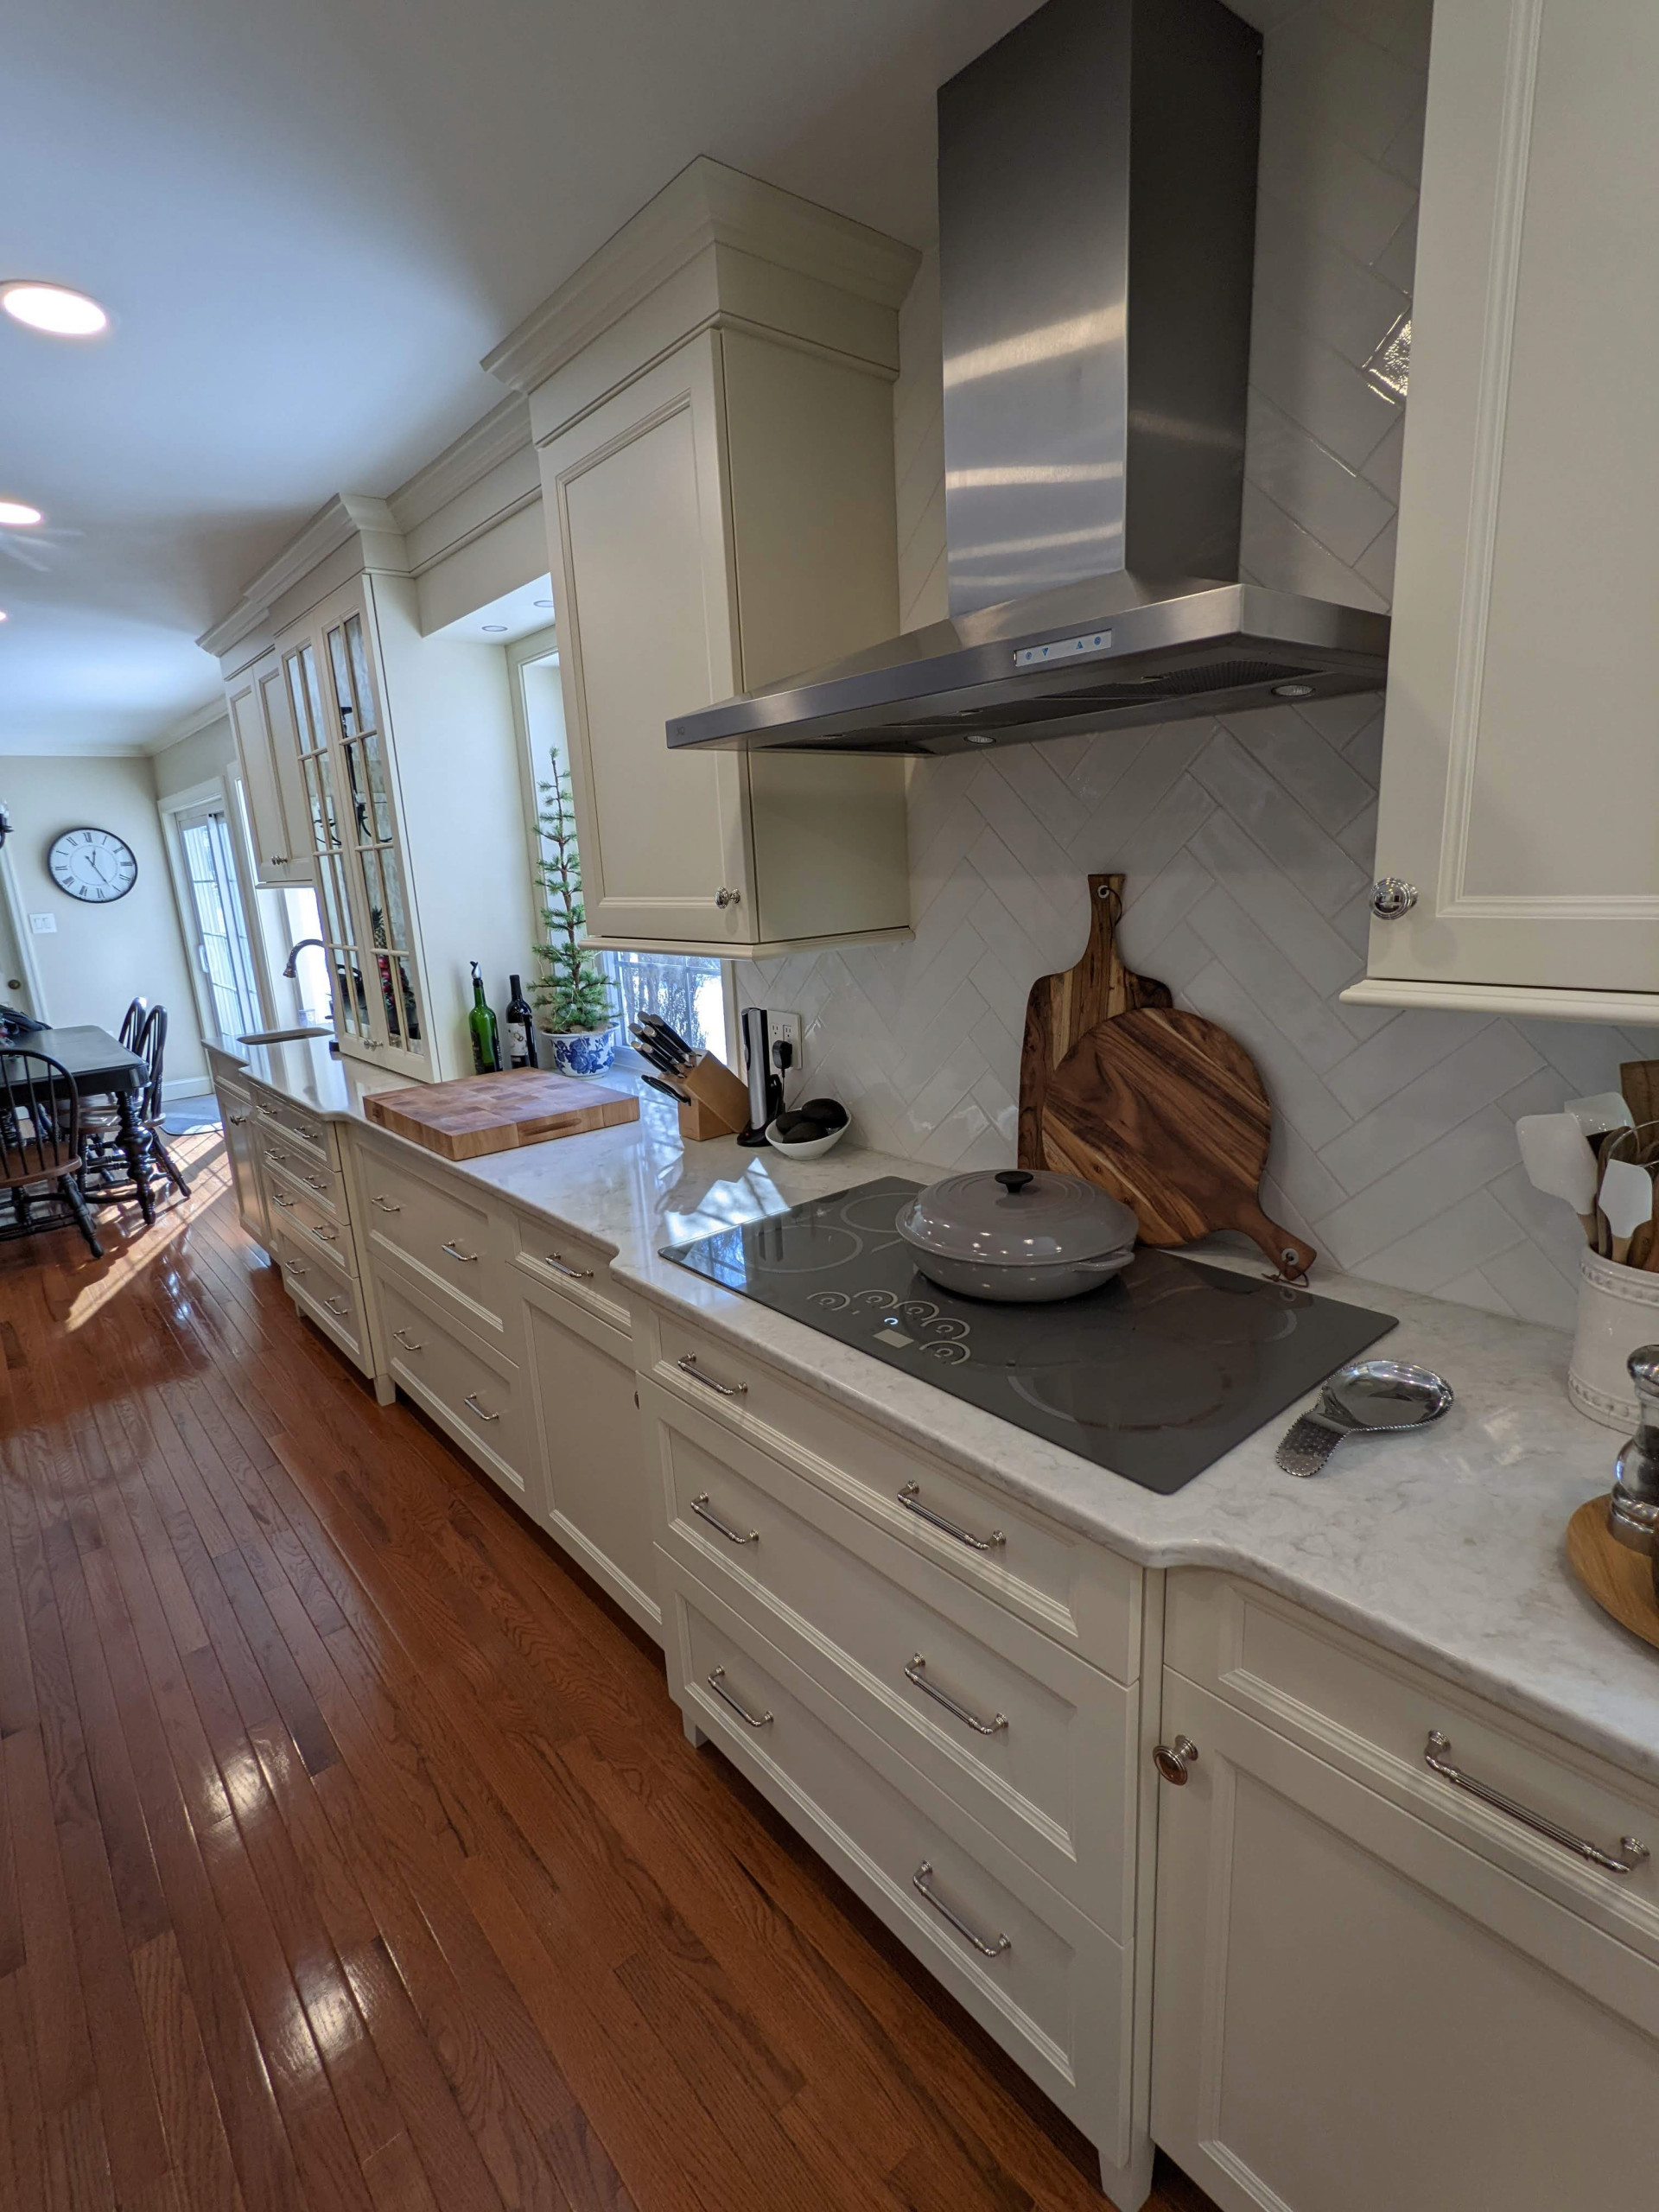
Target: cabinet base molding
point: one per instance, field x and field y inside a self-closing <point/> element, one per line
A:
<point x="1521" y="999"/>
<point x="766" y="948"/>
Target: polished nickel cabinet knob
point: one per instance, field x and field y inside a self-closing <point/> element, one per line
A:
<point x="1176" y="1761"/>
<point x="724" y="898"/>
<point x="1391" y="897"/>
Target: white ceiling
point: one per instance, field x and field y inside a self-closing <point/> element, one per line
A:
<point x="308" y="220"/>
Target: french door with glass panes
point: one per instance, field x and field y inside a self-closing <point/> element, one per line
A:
<point x="363" y="885"/>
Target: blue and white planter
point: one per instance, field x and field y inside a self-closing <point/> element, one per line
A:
<point x="581" y="1051"/>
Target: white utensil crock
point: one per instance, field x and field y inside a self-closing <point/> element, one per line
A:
<point x="1619" y="1309"/>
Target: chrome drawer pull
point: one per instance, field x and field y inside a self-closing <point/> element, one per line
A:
<point x="717" y="1683"/>
<point x="407" y="1341"/>
<point x="315" y="1184"/>
<point x="278" y="1199"/>
<point x="455" y="1252"/>
<point x="276" y="1159"/>
<point x="384" y="1205"/>
<point x="688" y="1365"/>
<point x="336" y="1305"/>
<point x="298" y="1268"/>
<point x="473" y="1406"/>
<point x="919" y="1882"/>
<point x="910" y="1499"/>
<point x="311" y="1135"/>
<point x="237" y="1120"/>
<point x="560" y="1265"/>
<point x="1435" y="1758"/>
<point x="700" y="1507"/>
<point x="326" y="1236"/>
<point x="913" y="1673"/>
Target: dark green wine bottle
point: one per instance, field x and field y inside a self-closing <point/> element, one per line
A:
<point x="480" y="1022"/>
<point x="521" y="1028"/>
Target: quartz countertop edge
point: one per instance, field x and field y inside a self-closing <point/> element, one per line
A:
<point x="1445" y="1546"/>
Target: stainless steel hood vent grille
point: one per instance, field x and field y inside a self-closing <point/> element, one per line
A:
<point x="1096" y="218"/>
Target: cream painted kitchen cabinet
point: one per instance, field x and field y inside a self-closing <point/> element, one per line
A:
<point x="1523" y="686"/>
<point x="263" y="723"/>
<point x="711" y="398"/>
<point x="1372" y="1989"/>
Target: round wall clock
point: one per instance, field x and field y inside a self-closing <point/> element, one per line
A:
<point x="92" y="864"/>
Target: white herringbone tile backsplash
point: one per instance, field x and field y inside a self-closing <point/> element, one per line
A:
<point x="1247" y="843"/>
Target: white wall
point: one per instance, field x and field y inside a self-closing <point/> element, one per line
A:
<point x="205" y="753"/>
<point x="100" y="957"/>
<point x="1248" y="844"/>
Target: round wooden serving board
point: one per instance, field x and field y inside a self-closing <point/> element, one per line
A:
<point x="1619" y="1579"/>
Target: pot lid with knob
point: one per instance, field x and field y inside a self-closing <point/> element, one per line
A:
<point x="1017" y="1217"/>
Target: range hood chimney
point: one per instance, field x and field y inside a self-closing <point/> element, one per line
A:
<point x="1096" y="220"/>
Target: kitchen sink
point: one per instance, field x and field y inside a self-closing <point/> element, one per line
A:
<point x="281" y="1036"/>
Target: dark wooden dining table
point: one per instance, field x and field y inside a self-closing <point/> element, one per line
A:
<point x="101" y="1066"/>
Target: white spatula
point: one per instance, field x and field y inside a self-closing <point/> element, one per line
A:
<point x="1559" y="1161"/>
<point x="1606" y="1110"/>
<point x="1626" y="1201"/>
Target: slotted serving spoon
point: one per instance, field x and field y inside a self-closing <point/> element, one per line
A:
<point x="1374" y="1396"/>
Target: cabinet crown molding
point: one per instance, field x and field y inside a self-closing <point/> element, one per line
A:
<point x="348" y="514"/>
<point x="706" y="205"/>
<point x="495" y="437"/>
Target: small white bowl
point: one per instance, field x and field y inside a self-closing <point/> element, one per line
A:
<point x="812" y="1148"/>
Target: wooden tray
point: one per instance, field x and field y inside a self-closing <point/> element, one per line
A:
<point x="1619" y="1579"/>
<point x="494" y="1113"/>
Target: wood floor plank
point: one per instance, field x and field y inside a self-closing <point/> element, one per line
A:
<point x="201" y="2161"/>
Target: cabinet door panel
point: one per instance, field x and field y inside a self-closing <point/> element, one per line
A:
<point x="1353" y="2012"/>
<point x="273" y="854"/>
<point x="1524" y="691"/>
<point x="647" y="629"/>
<point x="277" y="714"/>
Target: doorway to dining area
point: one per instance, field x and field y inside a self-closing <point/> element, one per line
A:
<point x="216" y="920"/>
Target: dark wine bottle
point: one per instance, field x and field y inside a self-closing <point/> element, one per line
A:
<point x="521" y="1028"/>
<point x="480" y="1023"/>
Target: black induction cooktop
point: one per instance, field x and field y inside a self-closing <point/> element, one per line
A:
<point x="1153" y="1375"/>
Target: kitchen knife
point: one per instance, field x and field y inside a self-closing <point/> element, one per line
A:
<point x="648" y="1052"/>
<point x="680" y="1097"/>
<point x="670" y="1037"/>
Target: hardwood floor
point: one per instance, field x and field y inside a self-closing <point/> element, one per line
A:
<point x="351" y="1859"/>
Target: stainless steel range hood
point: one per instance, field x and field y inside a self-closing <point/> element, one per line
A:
<point x="1096" y="221"/>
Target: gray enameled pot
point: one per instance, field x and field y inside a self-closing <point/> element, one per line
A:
<point x="1017" y="1236"/>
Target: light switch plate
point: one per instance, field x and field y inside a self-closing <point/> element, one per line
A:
<point x="43" y="924"/>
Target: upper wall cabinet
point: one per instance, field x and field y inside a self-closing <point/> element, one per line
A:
<point x="1524" y="685"/>
<point x="711" y="398"/>
<point x="263" y="726"/>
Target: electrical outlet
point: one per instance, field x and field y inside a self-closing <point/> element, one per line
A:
<point x="787" y="1029"/>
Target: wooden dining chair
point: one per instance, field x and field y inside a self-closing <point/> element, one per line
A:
<point x="132" y="1021"/>
<point x="151" y="1049"/>
<point x="41" y="1145"/>
<point x="105" y="1158"/>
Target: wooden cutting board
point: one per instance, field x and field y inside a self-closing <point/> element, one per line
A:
<point x="1157" y="1106"/>
<point x="493" y="1113"/>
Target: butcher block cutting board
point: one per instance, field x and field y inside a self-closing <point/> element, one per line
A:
<point x="493" y="1113"/>
<point x="1157" y="1106"/>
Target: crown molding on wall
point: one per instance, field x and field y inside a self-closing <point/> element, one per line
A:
<point x="706" y="205"/>
<point x="202" y="717"/>
<point x="347" y="514"/>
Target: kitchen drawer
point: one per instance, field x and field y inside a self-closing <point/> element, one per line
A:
<point x="474" y="1393"/>
<point x="309" y="1129"/>
<point x="574" y="1266"/>
<point x="333" y="1302"/>
<point x="452" y="1244"/>
<point x="1370" y="1714"/>
<point x="307" y="1220"/>
<point x="1076" y="1590"/>
<point x="1027" y="1736"/>
<point x="297" y="1163"/>
<point x="1040" y="1976"/>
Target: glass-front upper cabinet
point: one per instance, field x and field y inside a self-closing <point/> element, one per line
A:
<point x="363" y="900"/>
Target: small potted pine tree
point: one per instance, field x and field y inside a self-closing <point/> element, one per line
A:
<point x="578" y="1016"/>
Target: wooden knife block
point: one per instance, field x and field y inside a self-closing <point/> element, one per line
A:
<point x="719" y="1103"/>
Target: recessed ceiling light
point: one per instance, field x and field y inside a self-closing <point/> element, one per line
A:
<point x="54" y="307"/>
<point x="4" y="617"/>
<point x="978" y="737"/>
<point x="14" y="515"/>
<point x="493" y="629"/>
<point x="541" y="603"/>
<point x="1293" y="690"/>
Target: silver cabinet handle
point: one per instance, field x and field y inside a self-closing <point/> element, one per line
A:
<point x="922" y="1881"/>
<point x="407" y="1341"/>
<point x="455" y="1252"/>
<point x="726" y="897"/>
<point x="1435" y="1756"/>
<point x="914" y="1673"/>
<point x="311" y="1134"/>
<point x="561" y="1266"/>
<point x="688" y="1365"/>
<point x="716" y="1681"/>
<point x="473" y="1406"/>
<point x="278" y="1199"/>
<point x="384" y="1205"/>
<point x="297" y="1268"/>
<point x="278" y="860"/>
<point x="337" y="1305"/>
<point x="1176" y="1761"/>
<point x="1392" y="896"/>
<point x="315" y="1184"/>
<point x="700" y="1507"/>
<point x="326" y="1236"/>
<point x="910" y="1499"/>
<point x="237" y="1120"/>
<point x="276" y="1159"/>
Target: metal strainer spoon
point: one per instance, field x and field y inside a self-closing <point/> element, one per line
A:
<point x="1375" y="1394"/>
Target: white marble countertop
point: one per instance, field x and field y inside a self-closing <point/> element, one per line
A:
<point x="1446" y="1547"/>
